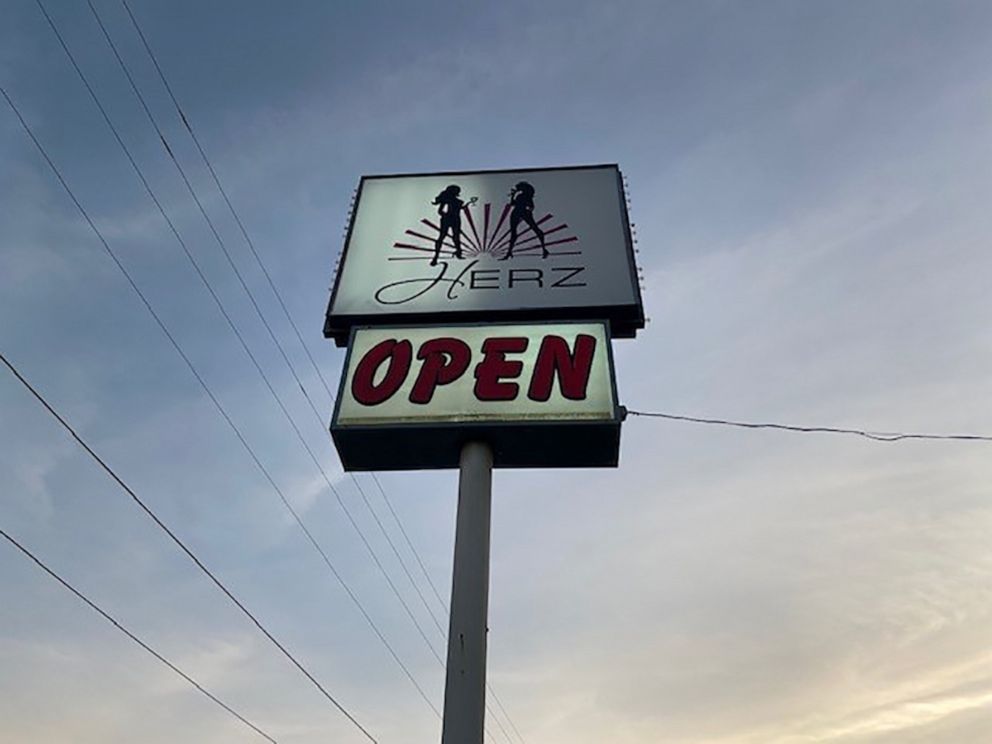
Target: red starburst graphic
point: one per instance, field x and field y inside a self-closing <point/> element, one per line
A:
<point x="495" y="242"/>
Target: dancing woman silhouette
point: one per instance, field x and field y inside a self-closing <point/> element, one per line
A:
<point x="450" y="206"/>
<point x="522" y="201"/>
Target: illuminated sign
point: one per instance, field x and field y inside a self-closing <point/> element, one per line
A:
<point x="541" y="244"/>
<point x="542" y="395"/>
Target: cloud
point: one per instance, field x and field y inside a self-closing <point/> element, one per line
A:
<point x="907" y="715"/>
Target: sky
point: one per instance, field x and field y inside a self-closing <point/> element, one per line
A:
<point x="809" y="183"/>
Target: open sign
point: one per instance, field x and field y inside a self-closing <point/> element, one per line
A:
<point x="542" y="395"/>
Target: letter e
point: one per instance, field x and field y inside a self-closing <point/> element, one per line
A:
<point x="494" y="367"/>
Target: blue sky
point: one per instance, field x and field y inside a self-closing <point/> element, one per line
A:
<point x="809" y="183"/>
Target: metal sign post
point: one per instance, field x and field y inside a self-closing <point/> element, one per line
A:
<point x="465" y="681"/>
<point x="478" y="309"/>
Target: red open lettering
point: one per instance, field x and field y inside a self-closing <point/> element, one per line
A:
<point x="572" y="368"/>
<point x="445" y="360"/>
<point x="495" y="366"/>
<point x="560" y="361"/>
<point x="363" y="385"/>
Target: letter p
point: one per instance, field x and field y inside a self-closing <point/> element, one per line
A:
<point x="444" y="360"/>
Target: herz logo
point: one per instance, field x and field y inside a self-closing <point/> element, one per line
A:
<point x="461" y="233"/>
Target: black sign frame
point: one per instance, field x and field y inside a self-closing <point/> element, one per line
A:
<point x="522" y="443"/>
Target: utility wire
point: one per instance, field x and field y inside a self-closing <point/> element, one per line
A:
<point x="878" y="436"/>
<point x="220" y="187"/>
<point x="192" y="192"/>
<point x="234" y="213"/>
<point x="182" y="545"/>
<point x="255" y="305"/>
<point x="430" y="611"/>
<point x="212" y="396"/>
<point x="499" y="704"/>
<point x="109" y="618"/>
<point x="189" y="186"/>
<point x="399" y="558"/>
<point x="244" y="232"/>
<point x="409" y="542"/>
<point x="290" y="419"/>
<point x="240" y="337"/>
<point x="444" y="606"/>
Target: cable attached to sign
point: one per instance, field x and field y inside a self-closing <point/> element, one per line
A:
<point x="877" y="436"/>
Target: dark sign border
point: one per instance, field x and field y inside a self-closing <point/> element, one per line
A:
<point x="625" y="320"/>
<point x="516" y="444"/>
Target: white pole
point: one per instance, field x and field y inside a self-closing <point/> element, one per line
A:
<point x="465" y="680"/>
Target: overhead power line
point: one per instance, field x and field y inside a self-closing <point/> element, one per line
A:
<point x="499" y="704"/>
<point x="409" y="542"/>
<point x="878" y="436"/>
<point x="161" y="136"/>
<point x="199" y="204"/>
<point x="187" y="123"/>
<point x="444" y="607"/>
<point x="239" y="336"/>
<point x="261" y="315"/>
<point x="230" y="261"/>
<point x="117" y="624"/>
<point x="220" y="187"/>
<point x="206" y="388"/>
<point x="230" y="322"/>
<point x="182" y="545"/>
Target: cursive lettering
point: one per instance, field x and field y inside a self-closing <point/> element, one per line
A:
<point x="407" y="290"/>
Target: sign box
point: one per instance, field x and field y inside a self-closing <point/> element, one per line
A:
<point x="488" y="246"/>
<point x="541" y="395"/>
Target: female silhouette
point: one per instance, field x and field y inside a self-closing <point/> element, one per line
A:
<point x="449" y="206"/>
<point x="522" y="201"/>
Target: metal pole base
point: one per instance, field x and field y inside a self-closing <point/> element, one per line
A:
<point x="465" y="679"/>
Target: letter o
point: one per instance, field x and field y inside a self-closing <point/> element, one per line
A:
<point x="363" y="386"/>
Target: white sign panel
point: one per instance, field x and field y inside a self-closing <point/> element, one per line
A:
<point x="478" y="373"/>
<point x="498" y="245"/>
<point x="542" y="394"/>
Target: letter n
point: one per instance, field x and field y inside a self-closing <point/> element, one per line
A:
<point x="572" y="368"/>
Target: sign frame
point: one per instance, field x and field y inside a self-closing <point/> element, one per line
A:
<point x="625" y="319"/>
<point x="523" y="443"/>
